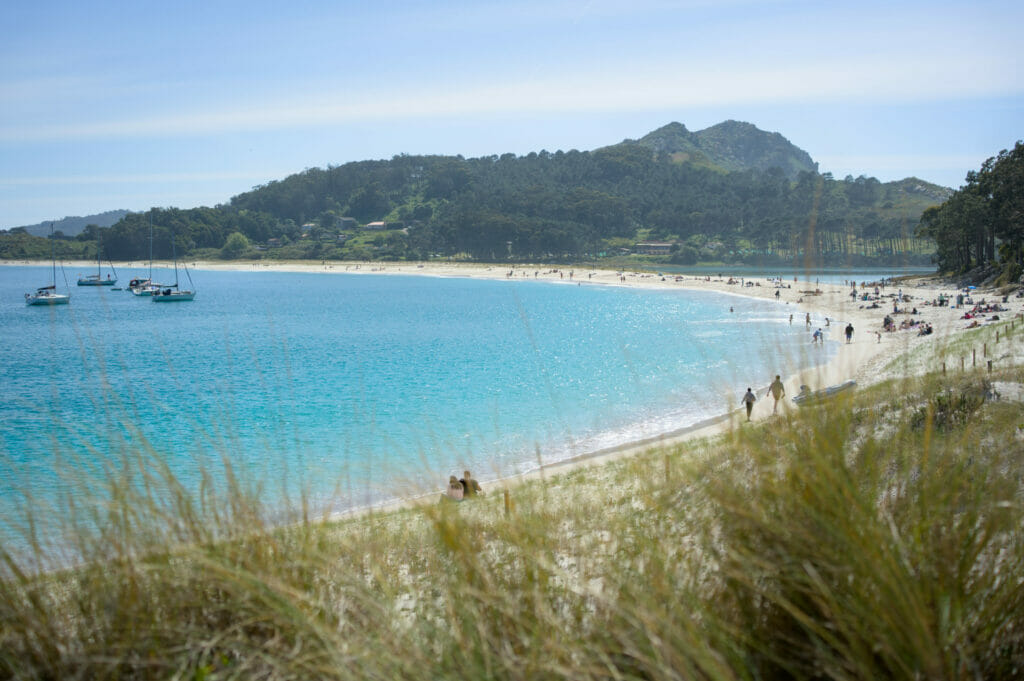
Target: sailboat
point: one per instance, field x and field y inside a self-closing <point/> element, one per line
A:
<point x="172" y="293"/>
<point x="47" y="295"/>
<point x="146" y="287"/>
<point x="97" y="279"/>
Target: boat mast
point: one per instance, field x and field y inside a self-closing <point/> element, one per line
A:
<point x="174" y="254"/>
<point x="53" y="257"/>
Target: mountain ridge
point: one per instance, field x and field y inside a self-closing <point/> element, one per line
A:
<point x="732" y="146"/>
<point x="726" y="147"/>
<point x="73" y="225"/>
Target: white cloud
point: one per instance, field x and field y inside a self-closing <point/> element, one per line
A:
<point x="883" y="78"/>
<point x="900" y="162"/>
<point x="47" y="90"/>
<point x="138" y="178"/>
<point x="475" y="16"/>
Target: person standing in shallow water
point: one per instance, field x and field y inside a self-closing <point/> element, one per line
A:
<point x="749" y="400"/>
<point x="778" y="391"/>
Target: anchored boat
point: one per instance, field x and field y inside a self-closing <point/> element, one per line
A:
<point x="47" y="295"/>
<point x="146" y="287"/>
<point x="172" y="293"/>
<point x="97" y="279"/>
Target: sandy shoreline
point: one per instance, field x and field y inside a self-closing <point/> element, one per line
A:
<point x="862" y="360"/>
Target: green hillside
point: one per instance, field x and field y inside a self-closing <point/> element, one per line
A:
<point x="731" y="146"/>
<point x="73" y="225"/>
<point x="981" y="225"/>
<point x="729" y="193"/>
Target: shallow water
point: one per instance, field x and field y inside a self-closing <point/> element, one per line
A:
<point x="358" y="388"/>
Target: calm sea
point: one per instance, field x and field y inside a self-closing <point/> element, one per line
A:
<point x="359" y="387"/>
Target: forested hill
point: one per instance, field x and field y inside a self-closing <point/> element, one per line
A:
<point x="728" y="193"/>
<point x="731" y="146"/>
<point x="73" y="225"/>
<point x="981" y="225"/>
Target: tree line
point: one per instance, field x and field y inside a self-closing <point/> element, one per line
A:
<point x="982" y="223"/>
<point x="542" y="206"/>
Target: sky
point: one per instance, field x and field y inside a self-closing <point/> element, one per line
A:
<point x="135" y="104"/>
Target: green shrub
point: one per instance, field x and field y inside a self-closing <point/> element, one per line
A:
<point x="235" y="247"/>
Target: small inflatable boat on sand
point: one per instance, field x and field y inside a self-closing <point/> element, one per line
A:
<point x="808" y="396"/>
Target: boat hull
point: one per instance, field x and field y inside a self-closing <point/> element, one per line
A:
<point x="173" y="296"/>
<point x="55" y="299"/>
<point x="97" y="282"/>
<point x="143" y="287"/>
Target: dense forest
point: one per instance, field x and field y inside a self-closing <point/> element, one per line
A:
<point x="982" y="223"/>
<point x="731" y="193"/>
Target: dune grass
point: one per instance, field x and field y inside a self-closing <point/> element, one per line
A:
<point x="878" y="536"/>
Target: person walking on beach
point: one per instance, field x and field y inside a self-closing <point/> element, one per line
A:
<point x="849" y="332"/>
<point x="807" y="320"/>
<point x="749" y="400"/>
<point x="778" y="391"/>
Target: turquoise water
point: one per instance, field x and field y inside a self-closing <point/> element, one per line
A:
<point x="362" y="387"/>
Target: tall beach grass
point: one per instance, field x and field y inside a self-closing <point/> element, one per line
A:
<point x="876" y="536"/>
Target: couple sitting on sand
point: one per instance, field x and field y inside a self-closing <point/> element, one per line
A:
<point x="459" y="489"/>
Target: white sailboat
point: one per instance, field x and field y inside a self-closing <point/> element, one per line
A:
<point x="146" y="287"/>
<point x="172" y="293"/>
<point x="47" y="295"/>
<point x="97" y="279"/>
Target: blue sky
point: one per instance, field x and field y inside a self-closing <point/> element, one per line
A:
<point x="107" y="105"/>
